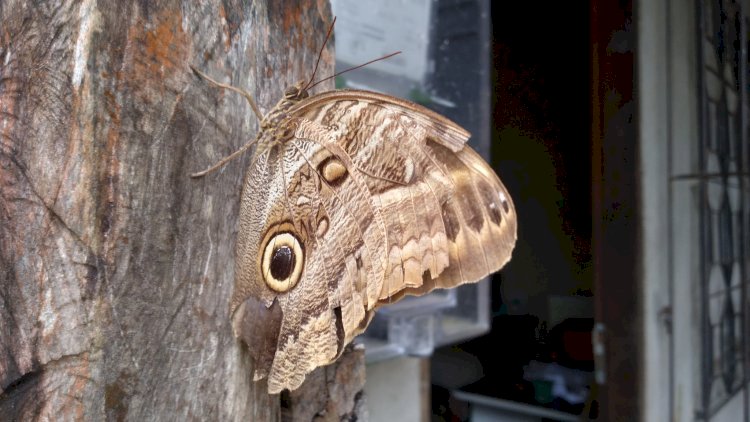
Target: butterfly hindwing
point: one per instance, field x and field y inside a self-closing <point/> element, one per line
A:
<point x="449" y="219"/>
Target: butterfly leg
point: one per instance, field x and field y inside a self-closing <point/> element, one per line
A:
<point x="225" y="160"/>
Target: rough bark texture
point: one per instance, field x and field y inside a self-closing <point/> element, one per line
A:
<point x="116" y="267"/>
<point x="332" y="393"/>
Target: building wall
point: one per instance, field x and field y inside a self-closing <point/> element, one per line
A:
<point x="652" y="84"/>
<point x="669" y="100"/>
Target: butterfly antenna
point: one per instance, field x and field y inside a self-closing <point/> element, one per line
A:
<point x="244" y="93"/>
<point x="320" y="54"/>
<point x="388" y="56"/>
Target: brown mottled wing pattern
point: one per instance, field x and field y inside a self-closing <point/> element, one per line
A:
<point x="352" y="200"/>
<point x="307" y="191"/>
<point x="449" y="220"/>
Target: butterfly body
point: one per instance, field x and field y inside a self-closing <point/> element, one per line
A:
<point x="354" y="199"/>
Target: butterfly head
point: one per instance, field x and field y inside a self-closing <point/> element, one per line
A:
<point x="296" y="92"/>
<point x="278" y="113"/>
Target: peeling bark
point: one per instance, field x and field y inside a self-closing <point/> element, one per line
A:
<point x="116" y="267"/>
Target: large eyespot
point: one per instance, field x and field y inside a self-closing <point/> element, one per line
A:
<point x="282" y="262"/>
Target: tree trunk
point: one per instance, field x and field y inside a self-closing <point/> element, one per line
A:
<point x="115" y="266"/>
<point x="331" y="393"/>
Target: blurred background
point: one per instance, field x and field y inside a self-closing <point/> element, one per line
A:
<point x="620" y="129"/>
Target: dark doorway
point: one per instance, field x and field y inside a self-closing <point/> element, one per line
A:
<point x="542" y="302"/>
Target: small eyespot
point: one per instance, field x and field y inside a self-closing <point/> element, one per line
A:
<point x="322" y="228"/>
<point x="504" y="201"/>
<point x="333" y="170"/>
<point x="282" y="262"/>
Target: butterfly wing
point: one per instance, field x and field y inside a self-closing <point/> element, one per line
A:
<point x="298" y="192"/>
<point x="368" y="199"/>
<point x="449" y="219"/>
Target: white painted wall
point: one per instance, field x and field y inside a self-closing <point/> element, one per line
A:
<point x="653" y="95"/>
<point x="684" y="225"/>
<point x="397" y="390"/>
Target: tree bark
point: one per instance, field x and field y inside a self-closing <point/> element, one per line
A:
<point x="331" y="393"/>
<point x="115" y="266"/>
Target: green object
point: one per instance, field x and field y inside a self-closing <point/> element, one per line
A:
<point x="419" y="97"/>
<point x="542" y="391"/>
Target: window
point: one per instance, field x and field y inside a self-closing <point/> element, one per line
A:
<point x="723" y="201"/>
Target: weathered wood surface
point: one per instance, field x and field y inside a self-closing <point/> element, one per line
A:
<point x="116" y="267"/>
<point x="330" y="393"/>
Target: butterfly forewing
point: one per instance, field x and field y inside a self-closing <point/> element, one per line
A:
<point x="446" y="132"/>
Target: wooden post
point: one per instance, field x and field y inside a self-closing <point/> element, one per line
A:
<point x="116" y="267"/>
<point x="616" y="236"/>
<point x="331" y="393"/>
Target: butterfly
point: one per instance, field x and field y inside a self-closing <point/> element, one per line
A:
<point x="354" y="199"/>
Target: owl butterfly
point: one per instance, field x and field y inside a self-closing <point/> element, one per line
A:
<point x="352" y="200"/>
